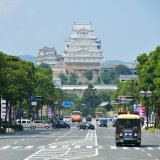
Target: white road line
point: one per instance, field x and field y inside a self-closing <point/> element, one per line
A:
<point x="28" y="147"/>
<point x="5" y="147"/>
<point x="149" y="148"/>
<point x="125" y="148"/>
<point x="77" y="146"/>
<point x="149" y="154"/>
<point x="41" y="147"/>
<point x="65" y="146"/>
<point x="113" y="147"/>
<point x="87" y="135"/>
<point x="158" y="147"/>
<point x="89" y="146"/>
<point x="16" y="147"/>
<point x="137" y="148"/>
<point x="96" y="139"/>
<point x="53" y="147"/>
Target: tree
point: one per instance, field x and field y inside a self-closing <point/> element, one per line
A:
<point x="90" y="97"/>
<point x="149" y="75"/>
<point x="123" y="70"/>
<point x="72" y="78"/>
<point x="63" y="78"/>
<point x="100" y="109"/>
<point x="88" y="74"/>
<point x="109" y="77"/>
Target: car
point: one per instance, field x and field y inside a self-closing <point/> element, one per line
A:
<point x="41" y="124"/>
<point x="61" y="124"/>
<point x="85" y="125"/>
<point x="102" y="123"/>
<point x="26" y="123"/>
<point x="88" y="118"/>
<point x="114" y="122"/>
<point x="66" y="119"/>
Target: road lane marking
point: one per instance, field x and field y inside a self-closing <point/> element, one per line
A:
<point x="149" y="148"/>
<point x="65" y="146"/>
<point x="77" y="146"/>
<point x="5" y="147"/>
<point x="28" y="147"/>
<point x="113" y="147"/>
<point x="125" y="148"/>
<point x="89" y="146"/>
<point x="41" y="147"/>
<point x="16" y="147"/>
<point x="53" y="147"/>
<point x="149" y="154"/>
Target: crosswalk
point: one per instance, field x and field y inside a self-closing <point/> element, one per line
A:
<point x="31" y="147"/>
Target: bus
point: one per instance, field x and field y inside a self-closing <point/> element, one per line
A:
<point x="76" y="116"/>
<point x="99" y="115"/>
<point x="128" y="128"/>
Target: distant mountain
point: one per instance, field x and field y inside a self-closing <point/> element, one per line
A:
<point x="116" y="62"/>
<point x="28" y="58"/>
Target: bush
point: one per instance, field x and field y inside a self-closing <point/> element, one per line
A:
<point x="158" y="126"/>
<point x="16" y="127"/>
<point x="2" y="130"/>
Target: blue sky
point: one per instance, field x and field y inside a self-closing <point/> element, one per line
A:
<point x="126" y="28"/>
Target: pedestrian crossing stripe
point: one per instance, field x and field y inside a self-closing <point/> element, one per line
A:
<point x="77" y="147"/>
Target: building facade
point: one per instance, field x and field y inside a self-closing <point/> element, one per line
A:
<point x="82" y="50"/>
<point x="49" y="56"/>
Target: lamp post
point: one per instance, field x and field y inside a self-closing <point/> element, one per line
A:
<point x="146" y="94"/>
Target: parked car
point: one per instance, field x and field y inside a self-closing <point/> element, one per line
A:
<point x="86" y="125"/>
<point x="26" y="123"/>
<point x="61" y="124"/>
<point x="102" y="122"/>
<point x="114" y="122"/>
<point x="66" y="119"/>
<point x="41" y="124"/>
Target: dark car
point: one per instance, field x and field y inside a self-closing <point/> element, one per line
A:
<point x="85" y="125"/>
<point x="102" y="123"/>
<point x="61" y="124"/>
<point x="88" y="118"/>
<point x="114" y="122"/>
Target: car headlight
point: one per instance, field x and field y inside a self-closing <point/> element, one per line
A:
<point x="121" y="134"/>
<point x="135" y="135"/>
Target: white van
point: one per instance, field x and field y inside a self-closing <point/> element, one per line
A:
<point x="26" y="123"/>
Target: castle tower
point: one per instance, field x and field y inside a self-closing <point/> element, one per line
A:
<point x="82" y="50"/>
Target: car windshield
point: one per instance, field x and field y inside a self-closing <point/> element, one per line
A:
<point x="128" y="123"/>
<point x="103" y="121"/>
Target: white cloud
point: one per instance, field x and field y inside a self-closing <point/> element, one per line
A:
<point x="8" y="6"/>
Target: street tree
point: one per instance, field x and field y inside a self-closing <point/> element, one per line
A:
<point x="90" y="97"/>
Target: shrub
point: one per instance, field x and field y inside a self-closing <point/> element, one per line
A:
<point x="16" y="127"/>
<point x="2" y="130"/>
<point x="158" y="126"/>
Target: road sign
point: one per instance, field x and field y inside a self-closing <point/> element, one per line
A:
<point x="67" y="104"/>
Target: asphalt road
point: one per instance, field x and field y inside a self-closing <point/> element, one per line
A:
<point x="67" y="144"/>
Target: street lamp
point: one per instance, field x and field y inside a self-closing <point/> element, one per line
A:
<point x="146" y="94"/>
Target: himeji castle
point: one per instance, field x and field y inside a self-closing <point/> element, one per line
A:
<point x="82" y="50"/>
